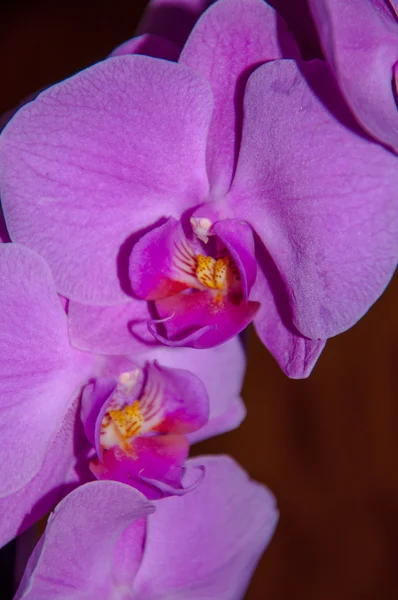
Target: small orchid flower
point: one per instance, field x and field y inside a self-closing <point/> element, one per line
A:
<point x="104" y="541"/>
<point x="191" y="198"/>
<point x="360" y="41"/>
<point x="46" y="447"/>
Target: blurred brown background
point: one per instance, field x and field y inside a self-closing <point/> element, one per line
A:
<point x="327" y="446"/>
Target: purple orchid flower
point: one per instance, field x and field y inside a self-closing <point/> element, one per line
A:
<point x="220" y="189"/>
<point x="46" y="446"/>
<point x="360" y="41"/>
<point x="203" y="545"/>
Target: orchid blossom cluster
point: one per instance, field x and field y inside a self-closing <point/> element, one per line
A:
<point x="201" y="178"/>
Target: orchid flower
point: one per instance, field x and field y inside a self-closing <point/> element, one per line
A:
<point x="181" y="201"/>
<point x="360" y="41"/>
<point x="49" y="438"/>
<point x="104" y="541"/>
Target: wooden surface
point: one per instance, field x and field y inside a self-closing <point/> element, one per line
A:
<point x="327" y="446"/>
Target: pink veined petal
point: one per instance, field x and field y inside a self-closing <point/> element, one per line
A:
<point x="229" y="40"/>
<point x="237" y="236"/>
<point x="320" y="195"/>
<point x="181" y="398"/>
<point x="207" y="543"/>
<point x="198" y="313"/>
<point x="153" y="460"/>
<point x="21" y="509"/>
<point x="172" y="19"/>
<point x="76" y="182"/>
<point x="159" y="262"/>
<point x="76" y="554"/>
<point x="295" y="354"/>
<point x="360" y="40"/>
<point x="128" y="554"/>
<point x="95" y="399"/>
<point x="120" y="329"/>
<point x="149" y="45"/>
<point x="222" y="370"/>
<point x="40" y="374"/>
<point x="230" y="419"/>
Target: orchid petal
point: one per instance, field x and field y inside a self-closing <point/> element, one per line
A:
<point x="75" y="557"/>
<point x="40" y="374"/>
<point x="237" y="236"/>
<point x="179" y="396"/>
<point x="203" y="545"/>
<point x="207" y="543"/>
<point x="295" y="354"/>
<point x="21" y="509"/>
<point x="230" y="39"/>
<point x="76" y="181"/>
<point x="152" y="461"/>
<point x="128" y="555"/>
<point x="183" y="315"/>
<point x="230" y="419"/>
<point x="159" y="263"/>
<point x="95" y="399"/>
<point x="222" y="370"/>
<point x="118" y="329"/>
<point x="149" y="45"/>
<point x="360" y="40"/>
<point x="320" y="195"/>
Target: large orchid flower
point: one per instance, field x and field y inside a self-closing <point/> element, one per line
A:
<point x="104" y="541"/>
<point x="47" y="447"/>
<point x="360" y="40"/>
<point x="219" y="191"/>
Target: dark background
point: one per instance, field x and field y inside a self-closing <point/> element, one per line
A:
<point x="327" y="446"/>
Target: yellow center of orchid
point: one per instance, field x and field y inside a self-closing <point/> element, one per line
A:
<point x="212" y="273"/>
<point x="127" y="421"/>
<point x="124" y="420"/>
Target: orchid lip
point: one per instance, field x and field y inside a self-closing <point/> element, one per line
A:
<point x="186" y="340"/>
<point x="199" y="280"/>
<point x="176" y="491"/>
<point x="141" y="421"/>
